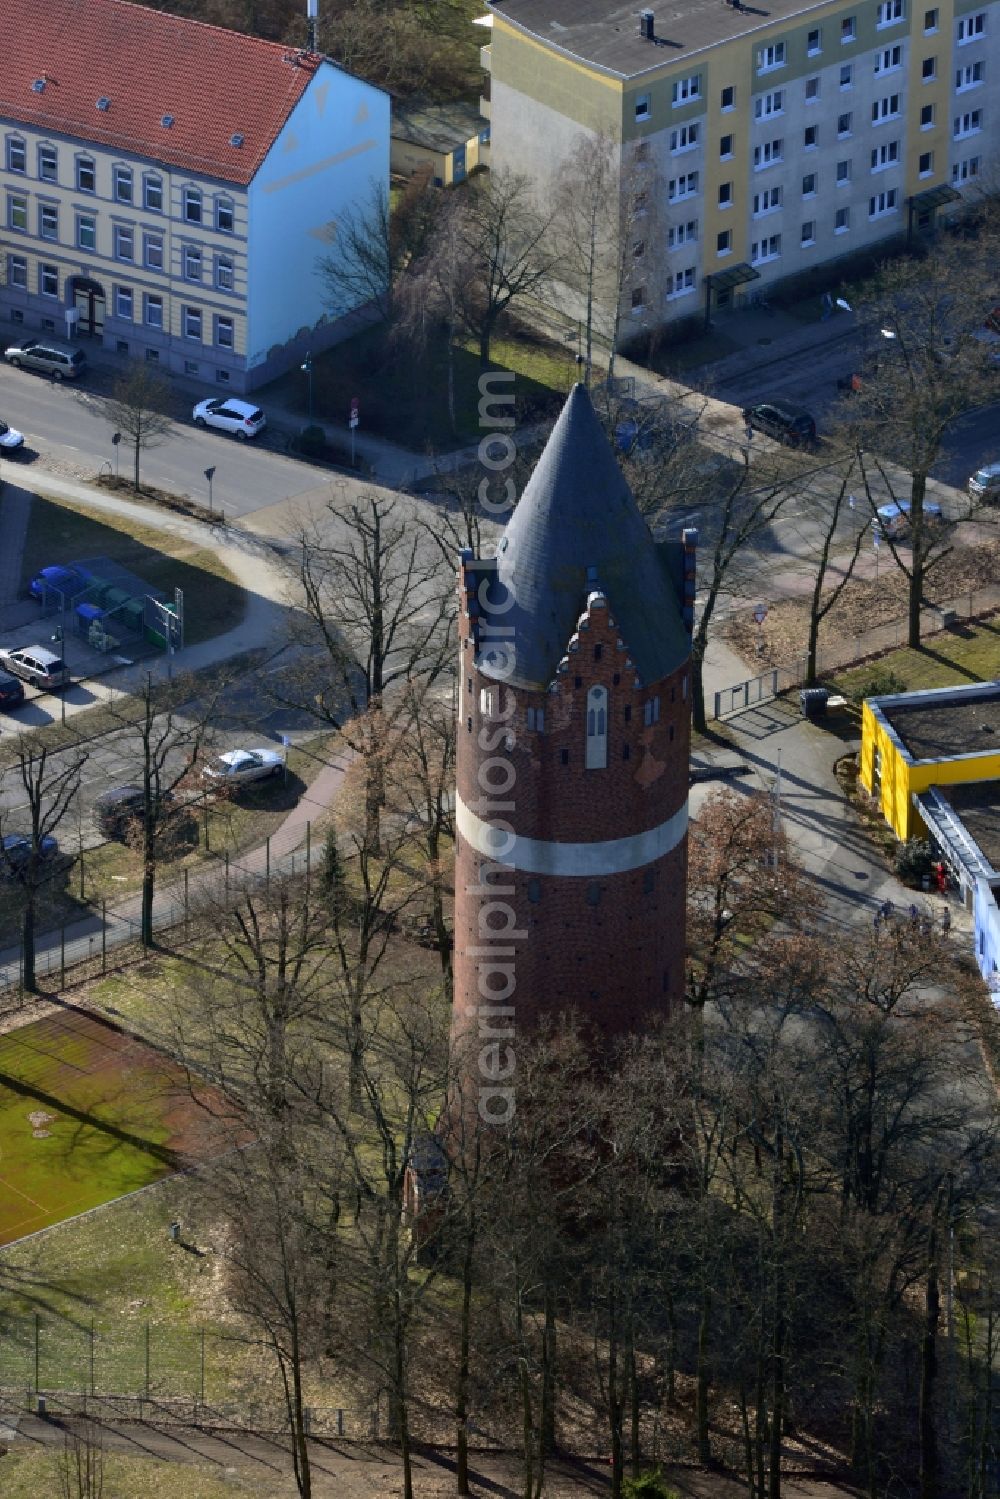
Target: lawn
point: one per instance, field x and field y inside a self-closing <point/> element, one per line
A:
<point x="61" y="533"/>
<point x="404" y="398"/>
<point x="87" y="1114"/>
<point x="970" y="653"/>
<point x="32" y="1474"/>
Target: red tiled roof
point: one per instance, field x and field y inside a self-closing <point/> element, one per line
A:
<point x="214" y="83"/>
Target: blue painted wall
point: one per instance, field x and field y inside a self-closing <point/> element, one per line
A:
<point x="986" y="918"/>
<point x="335" y="142"/>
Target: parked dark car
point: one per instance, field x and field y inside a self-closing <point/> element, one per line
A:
<point x="11" y="692"/>
<point x="115" y="809"/>
<point x="17" y="851"/>
<point x="788" y="424"/>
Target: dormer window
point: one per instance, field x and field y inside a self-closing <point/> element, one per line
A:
<point x="597" y="729"/>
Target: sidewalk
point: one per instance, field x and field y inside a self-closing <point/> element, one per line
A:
<point x="254" y="565"/>
<point x="84" y="939"/>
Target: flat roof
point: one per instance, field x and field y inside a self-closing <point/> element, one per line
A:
<point x="605" y="33"/>
<point x="977" y="805"/>
<point x="937" y="726"/>
<point x="437" y="127"/>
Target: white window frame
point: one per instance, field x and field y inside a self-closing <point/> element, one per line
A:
<point x="152" y="186"/>
<point x="888" y="59"/>
<point x="969" y="123"/>
<point x="119" y="233"/>
<point x="192" y="255"/>
<point x="88" y="165"/>
<point x="811" y="49"/>
<point x="883" y="203"/>
<point x="682" y="234"/>
<point x="596" y="755"/>
<point x="773" y="55"/>
<point x="848" y="30"/>
<point x="125" y="296"/>
<point x="927" y="124"/>
<point x="808" y="236"/>
<point x="224" y="275"/>
<point x="846" y="76"/>
<point x="122" y="183"/>
<point x="224" y="320"/>
<point x="48" y="214"/>
<point x="48" y="156"/>
<point x="844" y="122"/>
<point x="971" y="28"/>
<point x="889" y="13"/>
<point x="82" y="221"/>
<point x="685" y="90"/>
<point x="685" y="138"/>
<point x="927" y="171"/>
<point x="842" y="221"/>
<point x="726" y="248"/>
<point x="682" y="283"/>
<point x="152" y="250"/>
<point x="17" y="147"/>
<point x="965" y="171"/>
<point x="763" y="250"/>
<point x="224" y="207"/>
<point x="152" y="302"/>
<point x="767" y="200"/>
<point x="17" y="272"/>
<point x="767" y="106"/>
<point x="885" y="156"/>
<point x="642" y="107"/>
<point x="47" y="274"/>
<point x="192" y="197"/>
<point x="811" y="145"/>
<point x="809" y="192"/>
<point x="970" y="76"/>
<point x="885" y="109"/>
<point x="843" y="178"/>
<point x="682" y="187"/>
<point x="768" y="154"/>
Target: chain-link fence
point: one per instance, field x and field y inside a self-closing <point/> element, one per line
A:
<point x="849" y="649"/>
<point x="88" y="941"/>
<point x="149" y="1372"/>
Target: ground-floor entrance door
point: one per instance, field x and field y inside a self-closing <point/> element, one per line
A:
<point x="88" y="297"/>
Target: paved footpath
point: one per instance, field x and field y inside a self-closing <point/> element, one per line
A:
<point x="369" y="1471"/>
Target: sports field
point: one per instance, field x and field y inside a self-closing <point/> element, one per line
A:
<point x="87" y="1113"/>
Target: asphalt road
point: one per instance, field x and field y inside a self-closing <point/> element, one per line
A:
<point x="809" y="378"/>
<point x="66" y="423"/>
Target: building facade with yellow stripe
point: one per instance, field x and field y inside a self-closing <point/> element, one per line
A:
<point x="779" y="137"/>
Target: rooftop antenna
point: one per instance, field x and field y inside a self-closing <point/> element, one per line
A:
<point x="312" y="15"/>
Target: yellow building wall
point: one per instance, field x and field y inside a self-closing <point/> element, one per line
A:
<point x="901" y="778"/>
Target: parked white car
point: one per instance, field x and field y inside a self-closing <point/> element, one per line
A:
<point x="239" y="418"/>
<point x="237" y="767"/>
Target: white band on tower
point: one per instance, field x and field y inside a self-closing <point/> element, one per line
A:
<point x="584" y="860"/>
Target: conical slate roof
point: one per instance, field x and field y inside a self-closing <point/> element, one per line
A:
<point x="577" y="528"/>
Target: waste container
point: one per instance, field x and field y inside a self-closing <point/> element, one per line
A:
<point x="813" y="701"/>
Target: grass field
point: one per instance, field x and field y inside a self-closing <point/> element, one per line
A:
<point x="970" y="653"/>
<point x="87" y="1114"/>
<point x="36" y="1475"/>
<point x="61" y="533"/>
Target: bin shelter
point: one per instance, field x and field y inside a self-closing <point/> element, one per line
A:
<point x="86" y="614"/>
<point x="813" y="701"/>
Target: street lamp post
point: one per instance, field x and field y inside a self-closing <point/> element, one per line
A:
<point x="307" y="367"/>
<point x="210" y="475"/>
<point x="116" y="438"/>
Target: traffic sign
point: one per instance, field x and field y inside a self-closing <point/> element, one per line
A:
<point x="760" y="613"/>
<point x="355" y="412"/>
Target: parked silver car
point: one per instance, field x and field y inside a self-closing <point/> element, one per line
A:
<point x="239" y="418"/>
<point x="49" y="356"/>
<point x="37" y="665"/>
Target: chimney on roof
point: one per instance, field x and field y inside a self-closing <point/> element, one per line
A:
<point x="312" y="16"/>
<point x="646" y="26"/>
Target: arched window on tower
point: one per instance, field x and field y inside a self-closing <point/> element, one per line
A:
<point x="597" y="728"/>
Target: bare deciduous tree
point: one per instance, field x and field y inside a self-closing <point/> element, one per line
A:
<point x="139" y="408"/>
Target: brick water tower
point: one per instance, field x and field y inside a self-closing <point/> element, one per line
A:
<point x="572" y="763"/>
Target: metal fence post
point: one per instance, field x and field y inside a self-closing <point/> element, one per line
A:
<point x="267" y="863"/>
<point x="93" y="1334"/>
<point x="201" y="1390"/>
<point x="227" y="871"/>
<point x="147" y="1360"/>
<point x="187" y="909"/>
<point x="308" y="851"/>
<point x="38" y="1339"/>
<point x="104" y="936"/>
<point x="62" y="956"/>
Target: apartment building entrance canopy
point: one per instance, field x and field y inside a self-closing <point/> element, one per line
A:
<point x="725" y="281"/>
